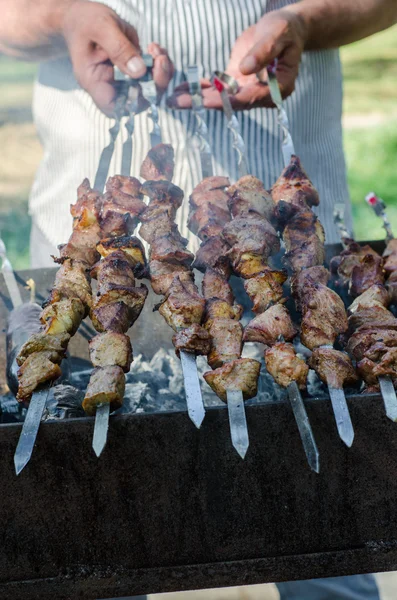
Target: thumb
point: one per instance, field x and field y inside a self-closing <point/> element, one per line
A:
<point x="120" y="42"/>
<point x="269" y="47"/>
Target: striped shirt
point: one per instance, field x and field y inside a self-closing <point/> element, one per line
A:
<point x="74" y="132"/>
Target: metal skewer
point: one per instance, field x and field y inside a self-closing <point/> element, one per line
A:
<point x="379" y="208"/>
<point x="226" y="84"/>
<point x="304" y="427"/>
<point x="237" y="421"/>
<point x="201" y="126"/>
<point x="287" y="146"/>
<point x="149" y="92"/>
<point x="194" y="400"/>
<point x="101" y="426"/>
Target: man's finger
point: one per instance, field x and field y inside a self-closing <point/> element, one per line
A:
<point x="121" y="44"/>
<point x="163" y="69"/>
<point x="262" y="53"/>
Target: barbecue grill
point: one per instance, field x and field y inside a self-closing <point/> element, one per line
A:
<point x="168" y="507"/>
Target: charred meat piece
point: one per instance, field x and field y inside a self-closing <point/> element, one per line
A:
<point x="162" y="275"/>
<point x="208" y="221"/>
<point x="323" y="316"/>
<point x="333" y="367"/>
<point x="194" y="339"/>
<point x="215" y="182"/>
<point x="213" y="254"/>
<point x="267" y="327"/>
<point x="114" y="269"/>
<point x="87" y="199"/>
<point x="303" y="279"/>
<point x="227" y="341"/>
<point x="376" y="295"/>
<point x="109" y="348"/>
<point x="373" y="317"/>
<point x="220" y="309"/>
<point x="216" y="286"/>
<point x="248" y="195"/>
<point x="285" y="366"/>
<point x="365" y="370"/>
<point x="390" y="256"/>
<point x="163" y="193"/>
<point x="294" y="187"/>
<point x="158" y="222"/>
<point x="81" y="245"/>
<point x="63" y="317"/>
<point x="120" y="214"/>
<point x="241" y="374"/>
<point x="304" y="241"/>
<point x="171" y="249"/>
<point x="159" y="163"/>
<point x="118" y="308"/>
<point x="360" y="344"/>
<point x="387" y="365"/>
<point x="218" y="198"/>
<point x="71" y="281"/>
<point x="35" y="370"/>
<point x="106" y="386"/>
<point x="55" y="345"/>
<point x="183" y="306"/>
<point x="265" y="289"/>
<point x="356" y="257"/>
<point x="125" y="184"/>
<point x="132" y="249"/>
<point x="367" y="273"/>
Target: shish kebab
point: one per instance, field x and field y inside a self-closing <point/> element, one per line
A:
<point x="361" y="269"/>
<point x="323" y="312"/>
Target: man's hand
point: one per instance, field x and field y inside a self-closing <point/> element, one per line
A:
<point x="97" y="39"/>
<point x="279" y="34"/>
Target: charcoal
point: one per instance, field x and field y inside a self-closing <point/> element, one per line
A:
<point x="65" y="402"/>
<point x="135" y="396"/>
<point x="11" y="411"/>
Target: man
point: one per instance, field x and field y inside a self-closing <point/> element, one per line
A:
<point x="74" y="96"/>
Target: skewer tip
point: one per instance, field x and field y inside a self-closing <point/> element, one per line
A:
<point x="101" y="429"/>
<point x="342" y="415"/>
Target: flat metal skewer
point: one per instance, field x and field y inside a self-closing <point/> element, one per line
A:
<point x="101" y="427"/>
<point x="287" y="145"/>
<point x="149" y="92"/>
<point x="342" y="415"/>
<point x="389" y="396"/>
<point x="201" y="126"/>
<point x="30" y="428"/>
<point x="237" y="421"/>
<point x="194" y="400"/>
<point x="379" y="208"/>
<point x="304" y="427"/>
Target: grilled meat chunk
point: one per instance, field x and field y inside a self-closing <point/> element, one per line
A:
<point x="109" y="348"/>
<point x="208" y="221"/>
<point x="373" y="317"/>
<point x="55" y="345"/>
<point x="218" y="198"/>
<point x="114" y="269"/>
<point x="163" y="193"/>
<point x="376" y="295"/>
<point x="323" y="316"/>
<point x="213" y="254"/>
<point x="285" y="366"/>
<point x="171" y="249"/>
<point x="227" y="341"/>
<point x="390" y="256"/>
<point x="87" y="199"/>
<point x="248" y="195"/>
<point x="162" y="275"/>
<point x="120" y="214"/>
<point x="216" y="286"/>
<point x="391" y="286"/>
<point x="369" y="272"/>
<point x="35" y="370"/>
<point x="118" y="308"/>
<point x="81" y="245"/>
<point x="157" y="221"/>
<point x="159" y="163"/>
<point x="194" y="339"/>
<point x="63" y="317"/>
<point x="294" y="187"/>
<point x="74" y="273"/>
<point x="387" y="365"/>
<point x="333" y="367"/>
<point x="305" y="278"/>
<point x="106" y="386"/>
<point x="241" y="374"/>
<point x="270" y="325"/>
<point x="304" y="241"/>
<point x="265" y="289"/>
<point x="363" y="341"/>
<point x="220" y="309"/>
<point x="183" y="306"/>
<point x="130" y="186"/>
<point x="131" y="247"/>
<point x="215" y="182"/>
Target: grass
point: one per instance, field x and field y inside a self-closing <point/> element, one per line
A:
<point x="370" y="137"/>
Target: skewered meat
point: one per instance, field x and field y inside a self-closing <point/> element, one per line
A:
<point x="132" y="249"/>
<point x="373" y="317"/>
<point x="304" y="241"/>
<point x="220" y="309"/>
<point x="183" y="305"/>
<point x="333" y="367"/>
<point x="365" y="370"/>
<point x="367" y="273"/>
<point x="163" y="193"/>
<point x="218" y="198"/>
<point x="157" y="221"/>
<point x="109" y="348"/>
<point x="215" y="182"/>
<point x="213" y="254"/>
<point x="106" y="386"/>
<point x="265" y="289"/>
<point x="390" y="254"/>
<point x="81" y="245"/>
<point x="391" y="286"/>
<point x="120" y="214"/>
<point x="376" y="295"/>
<point x="362" y="342"/>
<point x="270" y="325"/>
<point x="227" y="341"/>
<point x="285" y="366"/>
<point x="159" y="163"/>
<point x="208" y="221"/>
<point x="36" y="369"/>
<point x="87" y="199"/>
<point x="118" y="308"/>
<point x="241" y="374"/>
<point x="162" y="275"/>
<point x="63" y="317"/>
<point x="55" y="345"/>
<point x="114" y="269"/>
<point x="194" y="339"/>
<point x="323" y="316"/>
<point x="387" y="365"/>
<point x="215" y="286"/>
<point x="248" y="195"/>
<point x="125" y="184"/>
<point x="294" y="187"/>
<point x="367" y="270"/>
<point x="171" y="249"/>
<point x="305" y="278"/>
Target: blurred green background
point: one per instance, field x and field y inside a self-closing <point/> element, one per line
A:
<point x="370" y="132"/>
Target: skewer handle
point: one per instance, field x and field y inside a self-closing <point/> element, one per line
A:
<point x="304" y="427"/>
